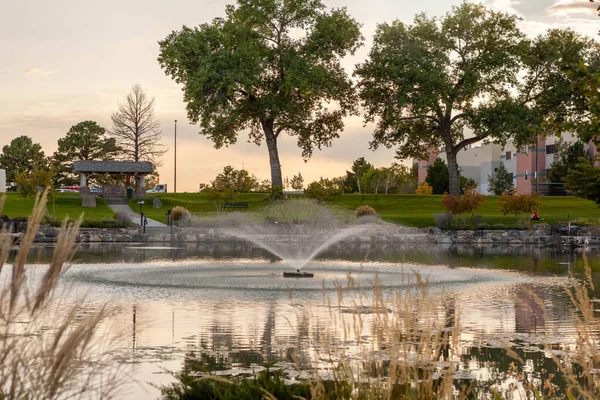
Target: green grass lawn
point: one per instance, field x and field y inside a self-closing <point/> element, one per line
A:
<point x="407" y="209"/>
<point x="196" y="203"/>
<point x="65" y="204"/>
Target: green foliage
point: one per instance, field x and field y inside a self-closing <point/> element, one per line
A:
<point x="324" y="190"/>
<point x="271" y="67"/>
<point x="584" y="180"/>
<point x="426" y="82"/>
<point x="29" y="183"/>
<point x="404" y="180"/>
<point x="85" y="141"/>
<point x="21" y="155"/>
<point x="501" y="182"/>
<point x="437" y="177"/>
<point x="565" y="161"/>
<point x="220" y="197"/>
<point x="372" y="181"/>
<point x="360" y="166"/>
<point x="212" y="387"/>
<point x="297" y="182"/>
<point x="238" y="180"/>
<point x="364" y="210"/>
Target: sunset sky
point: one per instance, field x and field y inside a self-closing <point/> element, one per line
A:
<point x="66" y="61"/>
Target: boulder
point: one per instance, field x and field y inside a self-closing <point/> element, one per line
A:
<point x="84" y="191"/>
<point x="88" y="202"/>
<point x="156" y="203"/>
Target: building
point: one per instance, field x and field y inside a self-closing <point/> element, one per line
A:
<point x="528" y="166"/>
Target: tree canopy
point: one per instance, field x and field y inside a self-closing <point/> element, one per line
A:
<point x="468" y="76"/>
<point x="136" y="129"/>
<point x="565" y="161"/>
<point x="85" y="141"/>
<point x="270" y="67"/>
<point x="22" y="155"/>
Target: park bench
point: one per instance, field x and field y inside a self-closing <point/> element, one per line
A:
<point x="238" y="204"/>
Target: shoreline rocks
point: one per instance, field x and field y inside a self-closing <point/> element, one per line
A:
<point x="431" y="235"/>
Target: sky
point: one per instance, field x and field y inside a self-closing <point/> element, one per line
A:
<point x="67" y="61"/>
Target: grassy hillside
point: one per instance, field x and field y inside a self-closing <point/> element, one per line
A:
<point x="410" y="210"/>
<point x="65" y="204"/>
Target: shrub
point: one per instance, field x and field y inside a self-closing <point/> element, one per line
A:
<point x="364" y="210"/>
<point x="28" y="183"/>
<point x="323" y="190"/>
<point x="521" y="205"/>
<point x="179" y="213"/>
<point x="424" y="189"/>
<point x="122" y="218"/>
<point x="465" y="204"/>
<point x="443" y="221"/>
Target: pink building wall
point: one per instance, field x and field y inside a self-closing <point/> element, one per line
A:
<point x="526" y="167"/>
<point x="423" y="165"/>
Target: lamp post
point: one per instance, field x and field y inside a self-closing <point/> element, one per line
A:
<point x="142" y="224"/>
<point x="175" y="166"/>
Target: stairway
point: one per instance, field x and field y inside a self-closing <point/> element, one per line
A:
<point x="117" y="201"/>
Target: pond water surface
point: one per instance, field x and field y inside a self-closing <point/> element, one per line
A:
<point x="229" y="305"/>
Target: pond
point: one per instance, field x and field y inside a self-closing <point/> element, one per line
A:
<point x="228" y="305"/>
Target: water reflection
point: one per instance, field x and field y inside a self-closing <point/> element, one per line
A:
<point x="225" y="307"/>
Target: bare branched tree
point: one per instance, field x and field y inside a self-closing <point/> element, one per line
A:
<point x="136" y="129"/>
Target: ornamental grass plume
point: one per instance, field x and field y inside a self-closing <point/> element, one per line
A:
<point x="50" y="348"/>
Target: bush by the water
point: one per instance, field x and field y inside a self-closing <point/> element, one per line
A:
<point x="323" y="190"/>
<point x="364" y="210"/>
<point x="213" y="387"/>
<point x="179" y="213"/>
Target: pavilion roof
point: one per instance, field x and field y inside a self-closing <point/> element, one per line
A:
<point x="113" y="167"/>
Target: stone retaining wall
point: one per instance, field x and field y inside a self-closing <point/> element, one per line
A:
<point x="400" y="235"/>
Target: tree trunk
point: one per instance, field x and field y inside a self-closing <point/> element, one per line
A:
<point x="271" y="139"/>
<point x="454" y="187"/>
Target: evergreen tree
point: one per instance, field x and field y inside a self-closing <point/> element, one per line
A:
<point x="437" y="177"/>
<point x="501" y="182"/>
<point x="565" y="161"/>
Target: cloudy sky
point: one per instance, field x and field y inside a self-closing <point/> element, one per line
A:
<point x="65" y="61"/>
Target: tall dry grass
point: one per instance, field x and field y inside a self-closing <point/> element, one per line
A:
<point x="405" y="344"/>
<point x="395" y="344"/>
<point x="50" y="348"/>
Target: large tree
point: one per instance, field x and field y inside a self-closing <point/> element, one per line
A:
<point x="468" y="76"/>
<point x="22" y="155"/>
<point x="271" y="67"/>
<point x="85" y="141"/>
<point x="136" y="129"/>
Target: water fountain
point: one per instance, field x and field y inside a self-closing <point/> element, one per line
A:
<point x="298" y="230"/>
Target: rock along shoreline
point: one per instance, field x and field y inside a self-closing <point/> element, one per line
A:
<point x="538" y="237"/>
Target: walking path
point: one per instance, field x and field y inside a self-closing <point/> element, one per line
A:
<point x="122" y="206"/>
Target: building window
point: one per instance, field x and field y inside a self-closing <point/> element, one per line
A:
<point x="510" y="175"/>
<point x="509" y="155"/>
<point x="526" y="175"/>
<point x="551" y="148"/>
